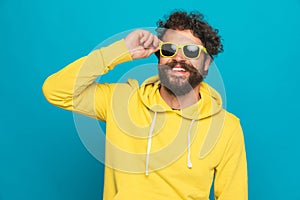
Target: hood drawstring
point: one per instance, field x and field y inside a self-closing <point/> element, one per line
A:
<point x="189" y="162"/>
<point x="149" y="144"/>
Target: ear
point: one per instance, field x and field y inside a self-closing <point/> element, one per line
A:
<point x="207" y="61"/>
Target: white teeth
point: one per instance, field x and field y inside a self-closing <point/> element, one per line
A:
<point x="178" y="69"/>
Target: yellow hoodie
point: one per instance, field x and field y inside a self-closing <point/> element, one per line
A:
<point x="152" y="151"/>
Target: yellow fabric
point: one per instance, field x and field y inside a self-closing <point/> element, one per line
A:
<point x="217" y="144"/>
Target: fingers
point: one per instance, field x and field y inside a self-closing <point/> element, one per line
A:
<point x="148" y="43"/>
<point x="156" y="42"/>
<point x="141" y="43"/>
<point x="149" y="40"/>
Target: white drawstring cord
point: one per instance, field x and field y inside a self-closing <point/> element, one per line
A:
<point x="149" y="144"/>
<point x="189" y="162"/>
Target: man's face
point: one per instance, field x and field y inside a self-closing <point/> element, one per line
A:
<point x="178" y="74"/>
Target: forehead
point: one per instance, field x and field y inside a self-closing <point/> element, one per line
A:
<point x="181" y="37"/>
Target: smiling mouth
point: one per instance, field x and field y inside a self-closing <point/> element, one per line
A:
<point x="178" y="69"/>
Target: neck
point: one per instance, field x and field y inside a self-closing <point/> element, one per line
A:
<point x="180" y="102"/>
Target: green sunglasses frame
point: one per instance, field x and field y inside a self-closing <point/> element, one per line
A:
<point x="180" y="46"/>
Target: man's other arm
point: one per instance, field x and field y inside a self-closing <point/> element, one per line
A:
<point x="74" y="88"/>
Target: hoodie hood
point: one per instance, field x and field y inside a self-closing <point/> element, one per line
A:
<point x="209" y="104"/>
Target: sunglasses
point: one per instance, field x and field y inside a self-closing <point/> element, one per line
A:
<point x="190" y="51"/>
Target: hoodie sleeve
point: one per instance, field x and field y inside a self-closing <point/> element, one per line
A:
<point x="231" y="181"/>
<point x="74" y="88"/>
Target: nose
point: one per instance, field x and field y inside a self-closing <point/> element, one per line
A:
<point x="179" y="56"/>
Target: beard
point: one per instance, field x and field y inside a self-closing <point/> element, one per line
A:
<point x="179" y="85"/>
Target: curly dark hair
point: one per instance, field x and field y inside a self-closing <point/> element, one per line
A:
<point x="194" y="21"/>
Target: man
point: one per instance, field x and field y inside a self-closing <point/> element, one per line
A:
<point x="170" y="137"/>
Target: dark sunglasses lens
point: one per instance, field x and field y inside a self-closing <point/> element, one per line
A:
<point x="168" y="49"/>
<point x="191" y="51"/>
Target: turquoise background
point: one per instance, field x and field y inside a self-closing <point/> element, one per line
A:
<point x="41" y="155"/>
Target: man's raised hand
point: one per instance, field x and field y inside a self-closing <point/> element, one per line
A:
<point x="141" y="43"/>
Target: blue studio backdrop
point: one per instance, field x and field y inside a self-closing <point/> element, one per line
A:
<point x="41" y="154"/>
